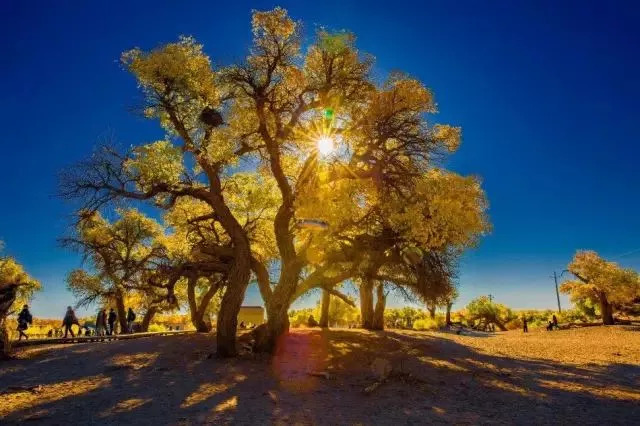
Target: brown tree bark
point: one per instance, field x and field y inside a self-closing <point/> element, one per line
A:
<point x="239" y="273"/>
<point x="324" y="313"/>
<point x="366" y="304"/>
<point x="5" y="343"/>
<point x="7" y="297"/>
<point x="227" y="324"/>
<point x="147" y="318"/>
<point x="196" y="310"/>
<point x="277" y="309"/>
<point x="122" y="313"/>
<point x="448" y="313"/>
<point x="432" y="310"/>
<point x="378" y="313"/>
<point x="499" y="324"/>
<point x="606" y="310"/>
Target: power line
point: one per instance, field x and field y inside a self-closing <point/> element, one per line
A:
<point x="627" y="253"/>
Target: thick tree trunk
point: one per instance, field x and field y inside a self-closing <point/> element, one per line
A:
<point x="122" y="313"/>
<point x="198" y="311"/>
<point x="500" y="325"/>
<point x="147" y="318"/>
<point x="324" y="313"/>
<point x="432" y="310"/>
<point x="366" y="304"/>
<point x="278" y="307"/>
<point x="5" y="343"/>
<point x="276" y="326"/>
<point x="240" y="272"/>
<point x="448" y="314"/>
<point x="378" y="313"/>
<point x="606" y="310"/>
<point x="7" y="297"/>
<point x="227" y="324"/>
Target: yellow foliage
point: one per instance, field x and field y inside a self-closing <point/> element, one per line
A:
<point x="596" y="276"/>
<point x="156" y="163"/>
<point x="11" y="272"/>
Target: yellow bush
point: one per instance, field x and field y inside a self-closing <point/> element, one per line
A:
<point x="428" y="323"/>
<point x="157" y="327"/>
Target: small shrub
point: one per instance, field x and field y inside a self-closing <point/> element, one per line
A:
<point x="428" y="323"/>
<point x="514" y="324"/>
<point x="157" y="327"/>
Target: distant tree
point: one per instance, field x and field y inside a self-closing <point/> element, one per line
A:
<point x="482" y="312"/>
<point x="449" y="299"/>
<point x="601" y="282"/>
<point x="204" y="297"/>
<point x="298" y="317"/>
<point x="16" y="288"/>
<point x="120" y="255"/>
<point x="410" y="315"/>
<point x="337" y="311"/>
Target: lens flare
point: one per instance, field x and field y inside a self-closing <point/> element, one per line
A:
<point x="325" y="145"/>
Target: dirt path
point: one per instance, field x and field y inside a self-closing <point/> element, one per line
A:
<point x="588" y="376"/>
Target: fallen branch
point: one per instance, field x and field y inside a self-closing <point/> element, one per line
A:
<point x="324" y="374"/>
<point x="32" y="389"/>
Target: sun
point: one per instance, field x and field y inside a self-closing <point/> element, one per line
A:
<point x="325" y="145"/>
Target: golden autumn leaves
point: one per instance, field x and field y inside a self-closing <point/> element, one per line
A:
<point x="242" y="164"/>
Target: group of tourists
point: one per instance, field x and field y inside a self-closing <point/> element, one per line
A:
<point x="105" y="323"/>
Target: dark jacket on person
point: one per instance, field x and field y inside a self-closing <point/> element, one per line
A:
<point x="101" y="319"/>
<point x="131" y="316"/>
<point x="70" y="319"/>
<point x="112" y="317"/>
<point x="24" y="319"/>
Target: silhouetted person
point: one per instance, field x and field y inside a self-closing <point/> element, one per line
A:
<point x="101" y="322"/>
<point x="131" y="317"/>
<point x="24" y="319"/>
<point x="68" y="320"/>
<point x="50" y="333"/>
<point x="524" y="325"/>
<point x="112" y="321"/>
<point x="550" y="326"/>
<point x="555" y="322"/>
<point x="311" y="322"/>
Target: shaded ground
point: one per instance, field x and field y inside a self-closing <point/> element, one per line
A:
<point x="585" y="376"/>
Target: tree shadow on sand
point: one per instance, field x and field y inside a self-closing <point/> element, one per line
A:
<point x="171" y="380"/>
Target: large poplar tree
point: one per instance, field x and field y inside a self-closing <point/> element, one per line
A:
<point x="306" y="136"/>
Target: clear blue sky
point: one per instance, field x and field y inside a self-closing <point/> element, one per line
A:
<point x="547" y="93"/>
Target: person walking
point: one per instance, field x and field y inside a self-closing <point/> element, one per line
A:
<point x="68" y="320"/>
<point x="24" y="319"/>
<point x="555" y="322"/>
<point x="131" y="317"/>
<point x="101" y="322"/>
<point x="525" y="329"/>
<point x="112" y="321"/>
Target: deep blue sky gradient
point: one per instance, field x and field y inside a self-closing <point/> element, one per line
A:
<point x="547" y="93"/>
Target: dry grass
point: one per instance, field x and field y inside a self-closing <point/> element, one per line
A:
<point x="584" y="376"/>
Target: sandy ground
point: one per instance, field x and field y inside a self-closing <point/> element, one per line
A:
<point x="585" y="376"/>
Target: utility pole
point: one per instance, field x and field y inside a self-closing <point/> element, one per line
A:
<point x="555" y="279"/>
<point x="490" y="298"/>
